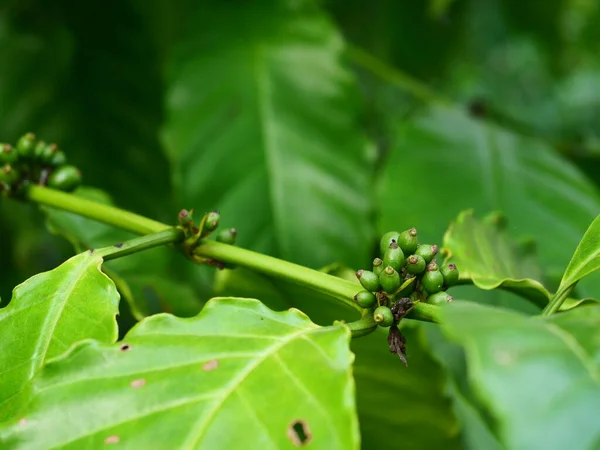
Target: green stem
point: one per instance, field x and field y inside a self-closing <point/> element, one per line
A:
<point x="338" y="288"/>
<point x="363" y="326"/>
<point x="167" y="236"/>
<point x="93" y="210"/>
<point x="394" y="76"/>
<point x="557" y="300"/>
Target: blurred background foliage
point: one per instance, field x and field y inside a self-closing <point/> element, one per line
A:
<point x="313" y="126"/>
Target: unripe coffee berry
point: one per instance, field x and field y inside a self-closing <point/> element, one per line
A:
<point x="368" y="280"/>
<point x="387" y="239"/>
<point x="394" y="256"/>
<point x="408" y="242"/>
<point x="450" y="274"/>
<point x="427" y="251"/>
<point x="389" y="280"/>
<point x="432" y="281"/>
<point x="440" y="298"/>
<point x="415" y="264"/>
<point x="65" y="178"/>
<point x="383" y="316"/>
<point x="365" y="299"/>
<point x="378" y="266"/>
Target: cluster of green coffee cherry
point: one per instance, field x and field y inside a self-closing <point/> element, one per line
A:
<point x="406" y="271"/>
<point x="35" y="161"/>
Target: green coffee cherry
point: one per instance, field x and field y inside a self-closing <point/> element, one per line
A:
<point x="389" y="280"/>
<point x="432" y="281"/>
<point x="39" y="151"/>
<point x="368" y="280"/>
<point x="415" y="264"/>
<point x="365" y="299"/>
<point x="427" y="252"/>
<point x="8" y="174"/>
<point x="212" y="221"/>
<point x="65" y="178"/>
<point x="408" y="242"/>
<point x="394" y="257"/>
<point x="387" y="239"/>
<point x="450" y="274"/>
<point x="57" y="159"/>
<point x="26" y="145"/>
<point x="440" y="298"/>
<point x="8" y="155"/>
<point x="227" y="236"/>
<point x="383" y="316"/>
<point x="48" y="152"/>
<point x="378" y="266"/>
<point x="433" y="265"/>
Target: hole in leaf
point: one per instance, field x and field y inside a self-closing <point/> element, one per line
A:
<point x="125" y="347"/>
<point x="210" y="365"/>
<point x="140" y="382"/>
<point x="119" y="245"/>
<point x="299" y="433"/>
<point x="112" y="439"/>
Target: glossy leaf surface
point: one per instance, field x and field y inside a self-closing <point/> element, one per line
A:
<point x="539" y="377"/>
<point x="47" y="314"/>
<point x="182" y="383"/>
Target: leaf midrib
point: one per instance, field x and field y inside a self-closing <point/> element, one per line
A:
<point x="43" y="344"/>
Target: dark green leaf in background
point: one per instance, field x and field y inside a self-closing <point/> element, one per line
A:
<point x="485" y="254"/>
<point x="398" y="406"/>
<point x="48" y="313"/>
<point x="444" y="162"/>
<point x="262" y="125"/>
<point x="228" y="378"/>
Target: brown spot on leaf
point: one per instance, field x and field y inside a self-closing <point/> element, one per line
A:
<point x="112" y="439"/>
<point x="119" y="245"/>
<point x="136" y="384"/>
<point x="210" y="365"/>
<point x="22" y="421"/>
<point x="299" y="433"/>
<point x="125" y="347"/>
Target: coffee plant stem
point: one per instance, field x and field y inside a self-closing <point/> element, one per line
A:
<point x="338" y="288"/>
<point x="168" y="236"/>
<point x="557" y="300"/>
<point x="93" y="210"/>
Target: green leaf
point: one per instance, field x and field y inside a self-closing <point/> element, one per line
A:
<point x="182" y="383"/>
<point x="484" y="253"/>
<point x="151" y="281"/>
<point x="450" y="162"/>
<point x="265" y="129"/>
<point x="571" y="303"/>
<point x="538" y="376"/>
<point x="586" y="258"/>
<point x="398" y="406"/>
<point x="47" y="314"/>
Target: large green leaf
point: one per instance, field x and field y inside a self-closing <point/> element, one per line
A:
<point x="586" y="258"/>
<point x="237" y="376"/>
<point x="151" y="281"/>
<point x="486" y="255"/>
<point x="398" y="406"/>
<point x="539" y="377"/>
<point x="47" y="314"/>
<point x="265" y="129"/>
<point x="444" y="162"/>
